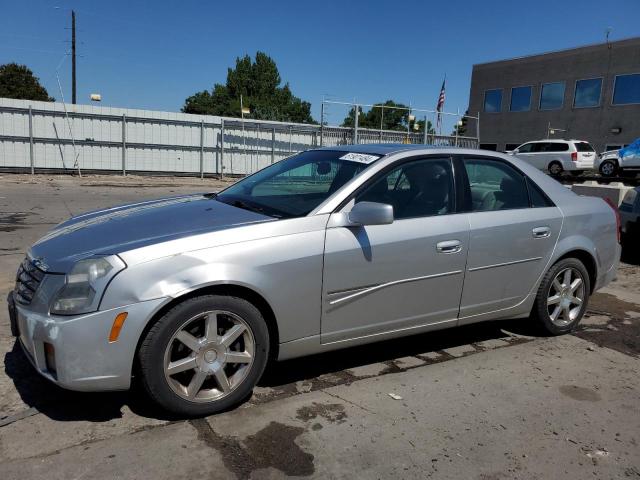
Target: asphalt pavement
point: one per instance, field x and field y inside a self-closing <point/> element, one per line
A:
<point x="488" y="401"/>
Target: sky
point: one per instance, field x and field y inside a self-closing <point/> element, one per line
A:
<point x="154" y="54"/>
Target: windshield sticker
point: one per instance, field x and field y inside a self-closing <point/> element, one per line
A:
<point x="360" y="157"/>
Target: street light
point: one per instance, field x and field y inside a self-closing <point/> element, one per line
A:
<point x="95" y="97"/>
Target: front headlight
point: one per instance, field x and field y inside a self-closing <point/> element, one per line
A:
<point x="85" y="284"/>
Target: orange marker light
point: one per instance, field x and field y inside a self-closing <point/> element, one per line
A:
<point x="117" y="326"/>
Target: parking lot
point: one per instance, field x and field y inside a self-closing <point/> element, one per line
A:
<point x="485" y="401"/>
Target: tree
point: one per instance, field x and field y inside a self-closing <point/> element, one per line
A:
<point x="461" y="129"/>
<point x="18" y="81"/>
<point x="259" y="84"/>
<point x="390" y="115"/>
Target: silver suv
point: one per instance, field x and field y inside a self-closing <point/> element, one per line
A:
<point x="558" y="156"/>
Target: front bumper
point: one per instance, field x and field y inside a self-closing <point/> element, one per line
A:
<point x="85" y="360"/>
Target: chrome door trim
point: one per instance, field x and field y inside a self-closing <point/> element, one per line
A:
<point x="389" y="284"/>
<point x="496" y="265"/>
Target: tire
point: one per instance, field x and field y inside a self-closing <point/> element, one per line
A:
<point x="189" y="340"/>
<point x="555" y="169"/>
<point x="558" y="323"/>
<point x="608" y="168"/>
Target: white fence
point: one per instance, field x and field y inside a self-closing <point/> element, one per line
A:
<point x="42" y="136"/>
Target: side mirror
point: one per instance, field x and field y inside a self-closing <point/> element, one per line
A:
<point x="371" y="213"/>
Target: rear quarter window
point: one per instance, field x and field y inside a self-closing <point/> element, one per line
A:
<point x="584" y="147"/>
<point x="537" y="197"/>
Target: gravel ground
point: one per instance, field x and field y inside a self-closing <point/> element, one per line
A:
<point x="489" y="401"/>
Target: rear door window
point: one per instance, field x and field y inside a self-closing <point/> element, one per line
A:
<point x="538" y="198"/>
<point x="494" y="185"/>
<point x="557" y="147"/>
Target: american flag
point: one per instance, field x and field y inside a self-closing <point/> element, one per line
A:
<point x="440" y="106"/>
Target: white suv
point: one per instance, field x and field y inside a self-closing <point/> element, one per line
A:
<point x="557" y="156"/>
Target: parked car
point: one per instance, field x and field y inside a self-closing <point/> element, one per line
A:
<point x="328" y="249"/>
<point x="558" y="156"/>
<point x="625" y="161"/>
<point x="630" y="213"/>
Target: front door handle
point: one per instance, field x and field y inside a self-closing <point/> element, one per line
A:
<point x="449" y="246"/>
<point x="541" y="232"/>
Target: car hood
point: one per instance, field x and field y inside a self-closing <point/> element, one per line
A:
<point x="119" y="229"/>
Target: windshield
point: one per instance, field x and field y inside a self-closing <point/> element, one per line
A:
<point x="295" y="186"/>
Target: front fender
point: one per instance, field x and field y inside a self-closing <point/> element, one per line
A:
<point x="285" y="270"/>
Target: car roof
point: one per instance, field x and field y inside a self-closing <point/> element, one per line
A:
<point x="382" y="148"/>
<point x="556" y="140"/>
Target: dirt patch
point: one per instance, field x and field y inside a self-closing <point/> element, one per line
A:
<point x="580" y="393"/>
<point x="332" y="412"/>
<point x="621" y="332"/>
<point x="284" y="386"/>
<point x="272" y="447"/>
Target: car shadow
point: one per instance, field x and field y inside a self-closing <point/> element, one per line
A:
<point x="64" y="405"/>
<point x="308" y="368"/>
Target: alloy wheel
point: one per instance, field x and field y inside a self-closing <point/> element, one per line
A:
<point x="209" y="356"/>
<point x="555" y="169"/>
<point x="607" y="169"/>
<point x="565" y="297"/>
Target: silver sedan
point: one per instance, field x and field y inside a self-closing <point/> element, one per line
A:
<point x="328" y="249"/>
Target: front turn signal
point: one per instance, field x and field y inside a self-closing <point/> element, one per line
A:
<point x="117" y="327"/>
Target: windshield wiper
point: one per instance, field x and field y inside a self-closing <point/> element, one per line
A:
<point x="247" y="206"/>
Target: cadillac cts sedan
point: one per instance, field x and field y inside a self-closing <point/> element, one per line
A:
<point x="328" y="249"/>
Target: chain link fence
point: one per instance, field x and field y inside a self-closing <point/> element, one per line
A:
<point x="53" y="137"/>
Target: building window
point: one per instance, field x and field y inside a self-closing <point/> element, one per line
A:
<point x="587" y="93"/>
<point x="520" y="99"/>
<point x="489" y="146"/>
<point x="493" y="101"/>
<point x="626" y="89"/>
<point x="552" y="96"/>
<point x="614" y="146"/>
<point x="511" y="146"/>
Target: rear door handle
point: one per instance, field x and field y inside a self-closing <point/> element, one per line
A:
<point x="541" y="232"/>
<point x="449" y="246"/>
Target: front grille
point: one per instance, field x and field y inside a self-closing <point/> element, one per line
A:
<point x="28" y="279"/>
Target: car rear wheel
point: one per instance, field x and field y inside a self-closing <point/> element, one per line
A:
<point x="562" y="297"/>
<point x="204" y="355"/>
<point x="555" y="169"/>
<point x="608" y="168"/>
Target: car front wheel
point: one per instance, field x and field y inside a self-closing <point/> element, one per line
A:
<point x="562" y="297"/>
<point x="204" y="355"/>
<point x="608" y="168"/>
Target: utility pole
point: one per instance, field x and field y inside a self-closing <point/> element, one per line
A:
<point x="73" y="57"/>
